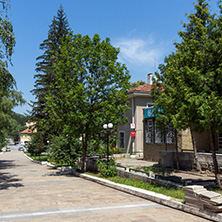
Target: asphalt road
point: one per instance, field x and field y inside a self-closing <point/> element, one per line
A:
<point x="33" y="192"/>
<point x="14" y="148"/>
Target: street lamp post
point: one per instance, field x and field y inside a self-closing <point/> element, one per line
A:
<point x="108" y="127"/>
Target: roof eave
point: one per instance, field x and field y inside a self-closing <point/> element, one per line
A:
<point x="136" y="94"/>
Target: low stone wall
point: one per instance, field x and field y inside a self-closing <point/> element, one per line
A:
<point x="198" y="196"/>
<point x="125" y="155"/>
<point x="123" y="172"/>
<point x="145" y="178"/>
<point x="91" y="164"/>
<point x="186" y="160"/>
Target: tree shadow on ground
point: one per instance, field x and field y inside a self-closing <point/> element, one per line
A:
<point x="6" y="164"/>
<point x="8" y="179"/>
<point x="59" y="173"/>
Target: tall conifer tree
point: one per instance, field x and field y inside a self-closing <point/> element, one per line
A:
<point x="191" y="78"/>
<point x="44" y="83"/>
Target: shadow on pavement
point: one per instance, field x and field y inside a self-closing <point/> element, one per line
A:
<point x="6" y="164"/>
<point x="59" y="173"/>
<point x="7" y="179"/>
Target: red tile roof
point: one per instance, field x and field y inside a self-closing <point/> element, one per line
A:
<point x="27" y="131"/>
<point x="142" y="88"/>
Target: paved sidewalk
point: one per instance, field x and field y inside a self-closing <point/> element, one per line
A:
<point x="33" y="192"/>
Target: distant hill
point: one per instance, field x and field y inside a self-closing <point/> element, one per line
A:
<point x="17" y="125"/>
<point x="20" y="118"/>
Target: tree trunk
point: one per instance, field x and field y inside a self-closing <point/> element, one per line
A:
<point x="198" y="166"/>
<point x="177" y="155"/>
<point x="214" y="157"/>
<point x="84" y="148"/>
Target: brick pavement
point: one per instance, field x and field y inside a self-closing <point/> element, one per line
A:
<point x="32" y="192"/>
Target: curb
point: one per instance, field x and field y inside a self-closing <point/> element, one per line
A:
<point x="62" y="169"/>
<point x="39" y="162"/>
<point x="149" y="195"/>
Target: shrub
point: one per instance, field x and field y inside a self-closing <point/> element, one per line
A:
<point x="64" y="150"/>
<point x="158" y="171"/>
<point x="107" y="170"/>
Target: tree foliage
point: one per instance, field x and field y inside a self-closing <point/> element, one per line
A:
<point x="9" y="96"/>
<point x="137" y="83"/>
<point x="17" y="124"/>
<point x="191" y="77"/>
<point x="65" y="150"/>
<point x="44" y="82"/>
<point x="37" y="144"/>
<point x="90" y="87"/>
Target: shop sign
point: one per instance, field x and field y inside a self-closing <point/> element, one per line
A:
<point x="133" y="134"/>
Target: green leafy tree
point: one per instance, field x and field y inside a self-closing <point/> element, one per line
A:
<point x="90" y="88"/>
<point x="137" y="83"/>
<point x="191" y="78"/>
<point x="9" y="96"/>
<point x="37" y="144"/>
<point x="44" y="82"/>
<point x="17" y="125"/>
<point x="65" y="150"/>
<point x="20" y="118"/>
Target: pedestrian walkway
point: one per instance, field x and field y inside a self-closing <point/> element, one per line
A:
<point x="33" y="192"/>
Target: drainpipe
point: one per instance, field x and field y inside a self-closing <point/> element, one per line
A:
<point x="133" y="110"/>
<point x="133" y="121"/>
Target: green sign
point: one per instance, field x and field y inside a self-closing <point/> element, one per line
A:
<point x="148" y="112"/>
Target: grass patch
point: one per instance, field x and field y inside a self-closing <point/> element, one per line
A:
<point x="40" y="158"/>
<point x="66" y="164"/>
<point x="46" y="158"/>
<point x="168" y="191"/>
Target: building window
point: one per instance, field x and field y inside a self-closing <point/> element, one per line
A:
<point x="219" y="142"/>
<point x="149" y="131"/>
<point x="154" y="135"/>
<point x="122" y="139"/>
<point x="159" y="136"/>
<point x="170" y="135"/>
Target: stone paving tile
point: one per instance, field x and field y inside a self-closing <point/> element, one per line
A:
<point x="134" y="216"/>
<point x="43" y="189"/>
<point x="121" y="215"/>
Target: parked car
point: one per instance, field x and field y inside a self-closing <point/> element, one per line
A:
<point x="8" y="149"/>
<point x="21" y="149"/>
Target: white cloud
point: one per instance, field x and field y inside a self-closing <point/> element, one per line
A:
<point x="142" y="56"/>
<point x="139" y="52"/>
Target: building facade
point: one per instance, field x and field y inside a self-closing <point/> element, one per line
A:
<point x="141" y="135"/>
<point x="131" y="134"/>
<point x="25" y="136"/>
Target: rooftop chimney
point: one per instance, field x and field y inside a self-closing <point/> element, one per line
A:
<point x="149" y="77"/>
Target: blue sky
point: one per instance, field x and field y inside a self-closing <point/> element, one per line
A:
<point x="145" y="31"/>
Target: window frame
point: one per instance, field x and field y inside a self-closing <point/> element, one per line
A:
<point x="162" y="139"/>
<point x="120" y="132"/>
<point x="173" y="134"/>
<point x="151" y="131"/>
<point x="163" y="136"/>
